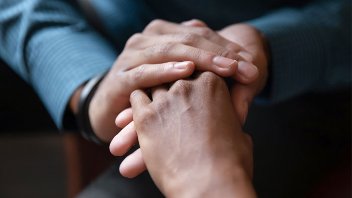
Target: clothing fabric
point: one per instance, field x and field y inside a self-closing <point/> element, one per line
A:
<point x="51" y="45"/>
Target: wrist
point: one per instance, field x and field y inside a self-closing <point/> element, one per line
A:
<point x="217" y="181"/>
<point x="73" y="104"/>
<point x="81" y="108"/>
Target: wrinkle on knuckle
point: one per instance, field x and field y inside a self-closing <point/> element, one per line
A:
<point x="162" y="105"/>
<point x="139" y="73"/>
<point x="158" y="50"/>
<point x="182" y="88"/>
<point x="211" y="81"/>
<point x="164" y="48"/>
<point x="195" y="54"/>
<point x="189" y="38"/>
<point x="146" y="116"/>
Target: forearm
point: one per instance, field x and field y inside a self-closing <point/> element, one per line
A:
<point x="52" y="49"/>
<point x="309" y="48"/>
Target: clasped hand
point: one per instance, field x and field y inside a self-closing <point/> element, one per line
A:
<point x="164" y="53"/>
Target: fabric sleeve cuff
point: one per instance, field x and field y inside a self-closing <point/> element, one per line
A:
<point x="62" y="61"/>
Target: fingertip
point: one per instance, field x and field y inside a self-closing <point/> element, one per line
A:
<point x="190" y="67"/>
<point x="113" y="147"/>
<point x="227" y="71"/>
<point x="133" y="165"/>
<point x="247" y="72"/>
<point x="179" y="70"/>
<point x="185" y="65"/>
<point x="123" y="118"/>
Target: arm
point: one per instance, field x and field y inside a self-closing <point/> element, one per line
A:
<point x="51" y="46"/>
<point x="310" y="48"/>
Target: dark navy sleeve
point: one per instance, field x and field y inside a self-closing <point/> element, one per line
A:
<point x="310" y="48"/>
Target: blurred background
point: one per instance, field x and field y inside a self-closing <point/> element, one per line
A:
<point x="36" y="159"/>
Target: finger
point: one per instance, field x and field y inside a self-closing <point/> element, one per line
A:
<point x="139" y="99"/>
<point x="194" y="23"/>
<point x="150" y="75"/>
<point x="124" y="118"/>
<point x="204" y="60"/>
<point x="133" y="165"/>
<point x="147" y="41"/>
<point x="242" y="96"/>
<point x="124" y="140"/>
<point x="246" y="72"/>
<point x="158" y="27"/>
<point x="159" y="92"/>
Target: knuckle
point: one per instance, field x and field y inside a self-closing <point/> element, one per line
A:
<point x="209" y="76"/>
<point x="205" y="32"/>
<point x="189" y="38"/>
<point x="233" y="47"/>
<point x="158" y="50"/>
<point x="163" y="49"/>
<point x="196" y="54"/>
<point x="181" y="88"/>
<point x="138" y="73"/>
<point x="154" y="24"/>
<point x="211" y="80"/>
<point x="225" y="53"/>
<point x="162" y="105"/>
<point x="134" y="40"/>
<point x="147" y="114"/>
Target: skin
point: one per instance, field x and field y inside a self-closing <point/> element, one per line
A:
<point x="249" y="45"/>
<point x="161" y="43"/>
<point x="185" y="157"/>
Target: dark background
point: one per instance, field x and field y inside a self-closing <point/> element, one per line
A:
<point x="32" y="159"/>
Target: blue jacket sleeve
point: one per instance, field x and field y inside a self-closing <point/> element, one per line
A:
<point x="310" y="48"/>
<point x="51" y="46"/>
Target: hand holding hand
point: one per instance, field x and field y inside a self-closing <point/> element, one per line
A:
<point x="163" y="42"/>
<point x="190" y="132"/>
<point x="242" y="94"/>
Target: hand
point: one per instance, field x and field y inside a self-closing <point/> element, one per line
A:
<point x="257" y="53"/>
<point x="250" y="50"/>
<point x="141" y="50"/>
<point x="240" y="42"/>
<point x="189" y="133"/>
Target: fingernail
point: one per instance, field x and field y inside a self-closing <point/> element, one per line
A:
<point x="181" y="65"/>
<point x="248" y="70"/>
<point x="223" y="61"/>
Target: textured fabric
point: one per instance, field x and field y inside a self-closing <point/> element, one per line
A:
<point x="310" y="47"/>
<point x="51" y="46"/>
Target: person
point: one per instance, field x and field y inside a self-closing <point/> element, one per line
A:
<point x="185" y="157"/>
<point x="53" y="48"/>
<point x="50" y="44"/>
